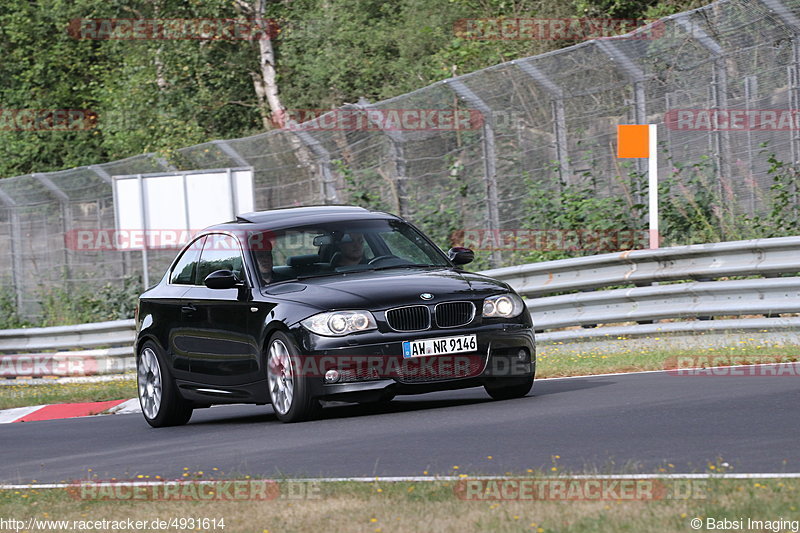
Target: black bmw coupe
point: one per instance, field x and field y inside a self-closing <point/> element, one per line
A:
<point x="290" y="307"/>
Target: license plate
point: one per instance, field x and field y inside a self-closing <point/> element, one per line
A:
<point x="440" y="346"/>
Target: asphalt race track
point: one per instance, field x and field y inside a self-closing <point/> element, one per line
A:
<point x="626" y="423"/>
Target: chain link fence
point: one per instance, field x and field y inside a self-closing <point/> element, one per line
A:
<point x="547" y="122"/>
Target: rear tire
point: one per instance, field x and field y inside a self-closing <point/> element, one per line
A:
<point x="289" y="391"/>
<point x="161" y="403"/>
<point x="508" y="389"/>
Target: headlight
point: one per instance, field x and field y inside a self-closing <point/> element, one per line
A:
<point x="503" y="306"/>
<point x="338" y="323"/>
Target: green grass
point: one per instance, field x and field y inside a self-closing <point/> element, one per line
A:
<point x="557" y="362"/>
<point x="428" y="506"/>
<point x="23" y="394"/>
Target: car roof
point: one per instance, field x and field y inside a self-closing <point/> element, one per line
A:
<point x="301" y="216"/>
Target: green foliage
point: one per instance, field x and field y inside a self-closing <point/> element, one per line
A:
<point x="634" y="9"/>
<point x="78" y="304"/>
<point x="362" y="188"/>
<point x="577" y="212"/>
<point x="9" y="317"/>
<point x="161" y="95"/>
<point x="692" y="207"/>
<point x="784" y="215"/>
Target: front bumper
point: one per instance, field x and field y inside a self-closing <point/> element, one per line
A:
<point x="371" y="364"/>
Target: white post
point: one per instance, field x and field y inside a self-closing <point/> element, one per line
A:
<point x="652" y="189"/>
<point x="143" y="211"/>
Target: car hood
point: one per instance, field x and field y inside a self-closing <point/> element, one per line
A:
<point x="377" y="290"/>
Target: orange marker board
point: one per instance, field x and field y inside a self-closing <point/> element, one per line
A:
<point x="633" y="140"/>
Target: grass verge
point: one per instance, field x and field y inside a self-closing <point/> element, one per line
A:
<point x="558" y="362"/>
<point x="24" y="394"/>
<point x="426" y="506"/>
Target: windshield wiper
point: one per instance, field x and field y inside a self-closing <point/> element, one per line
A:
<point x="409" y="265"/>
<point x="319" y="275"/>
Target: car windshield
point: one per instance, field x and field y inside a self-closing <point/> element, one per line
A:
<point x="339" y="247"/>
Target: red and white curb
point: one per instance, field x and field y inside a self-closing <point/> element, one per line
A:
<point x="68" y="410"/>
<point x="117" y="407"/>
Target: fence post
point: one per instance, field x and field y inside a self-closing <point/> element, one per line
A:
<point x="750" y="95"/>
<point x="124" y="257"/>
<point x="718" y="92"/>
<point x="559" y="118"/>
<point x="66" y="217"/>
<point x="790" y="20"/>
<point x="489" y="161"/>
<point x="16" y="245"/>
<point x="101" y="173"/>
<point x="329" y="194"/>
<point x="398" y="154"/>
<point x="233" y="154"/>
<point x="637" y="79"/>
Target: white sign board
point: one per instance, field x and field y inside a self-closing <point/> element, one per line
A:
<point x="164" y="210"/>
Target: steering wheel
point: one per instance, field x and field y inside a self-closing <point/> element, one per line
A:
<point x="380" y="258"/>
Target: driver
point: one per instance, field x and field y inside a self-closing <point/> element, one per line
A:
<point x="262" y="251"/>
<point x="351" y="250"/>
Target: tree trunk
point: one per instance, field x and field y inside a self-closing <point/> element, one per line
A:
<point x="273" y="113"/>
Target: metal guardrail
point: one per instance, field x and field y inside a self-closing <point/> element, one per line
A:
<point x="701" y="295"/>
<point x="560" y="294"/>
<point x="87" y="349"/>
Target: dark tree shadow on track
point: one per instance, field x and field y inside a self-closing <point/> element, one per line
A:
<point x="413" y="403"/>
<point x="552" y="386"/>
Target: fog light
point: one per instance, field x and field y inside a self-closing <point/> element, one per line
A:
<point x="522" y="355"/>
<point x="331" y="376"/>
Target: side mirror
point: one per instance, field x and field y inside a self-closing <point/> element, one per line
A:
<point x="461" y="256"/>
<point x="222" y="279"/>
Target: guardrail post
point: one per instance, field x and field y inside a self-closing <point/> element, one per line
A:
<point x="489" y="160"/>
<point x="637" y="79"/>
<point x="718" y="93"/>
<point x="16" y="245"/>
<point x="398" y="154"/>
<point x="66" y="217"/>
<point x="557" y="110"/>
<point x="329" y="194"/>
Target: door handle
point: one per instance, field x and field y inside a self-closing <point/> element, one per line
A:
<point x="188" y="309"/>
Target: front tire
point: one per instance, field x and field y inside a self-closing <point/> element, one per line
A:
<point x="289" y="391"/>
<point x="507" y="389"/>
<point x="161" y="403"/>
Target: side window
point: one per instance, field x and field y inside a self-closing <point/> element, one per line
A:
<point x="186" y="267"/>
<point x="220" y="252"/>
